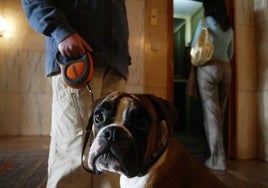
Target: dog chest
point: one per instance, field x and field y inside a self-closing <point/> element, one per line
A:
<point x="134" y="182"/>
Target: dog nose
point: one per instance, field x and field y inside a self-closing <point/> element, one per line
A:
<point x="114" y="134"/>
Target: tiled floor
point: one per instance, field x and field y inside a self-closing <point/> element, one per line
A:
<point x="240" y="174"/>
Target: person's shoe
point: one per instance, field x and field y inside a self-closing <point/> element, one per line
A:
<point x="218" y="164"/>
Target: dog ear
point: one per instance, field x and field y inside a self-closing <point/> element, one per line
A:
<point x="165" y="111"/>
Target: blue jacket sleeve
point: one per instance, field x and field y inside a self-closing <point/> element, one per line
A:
<point x="45" y="17"/>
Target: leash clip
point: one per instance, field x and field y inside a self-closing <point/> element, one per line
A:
<point x="90" y="92"/>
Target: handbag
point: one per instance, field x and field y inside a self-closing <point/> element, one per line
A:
<point x="203" y="50"/>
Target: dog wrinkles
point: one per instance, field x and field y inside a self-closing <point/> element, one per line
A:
<point x="107" y="161"/>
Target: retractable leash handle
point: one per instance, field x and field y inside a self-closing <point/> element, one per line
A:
<point x="76" y="73"/>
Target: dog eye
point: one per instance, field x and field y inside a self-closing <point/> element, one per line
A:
<point x="98" y="117"/>
<point x="140" y="120"/>
<point x="143" y="123"/>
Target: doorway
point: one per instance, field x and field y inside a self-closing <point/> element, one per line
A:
<point x="189" y="127"/>
<point x="191" y="138"/>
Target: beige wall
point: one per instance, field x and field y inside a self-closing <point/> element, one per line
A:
<point x="25" y="93"/>
<point x="261" y="20"/>
<point x="251" y="29"/>
<point x="245" y="59"/>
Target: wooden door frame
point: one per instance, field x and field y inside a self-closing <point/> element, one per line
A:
<point x="230" y="130"/>
<point x="170" y="53"/>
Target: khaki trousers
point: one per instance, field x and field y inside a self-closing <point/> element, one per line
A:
<point x="70" y="113"/>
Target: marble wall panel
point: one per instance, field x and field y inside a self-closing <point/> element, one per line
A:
<point x="3" y="71"/>
<point x="262" y="99"/>
<point x="261" y="17"/>
<point x="11" y="3"/>
<point x="10" y="111"/>
<point x="23" y="71"/>
<point x="246" y="128"/>
<point x="19" y="35"/>
<point x="245" y="57"/>
<point x="246" y="80"/>
<point x="262" y="57"/>
<point x="244" y="14"/>
<point x="25" y="113"/>
<point x="22" y="84"/>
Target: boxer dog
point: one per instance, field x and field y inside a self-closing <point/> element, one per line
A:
<point x="132" y="134"/>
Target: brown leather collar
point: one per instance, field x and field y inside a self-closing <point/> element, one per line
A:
<point x="152" y="159"/>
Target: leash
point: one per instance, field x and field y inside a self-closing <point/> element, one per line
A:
<point x="90" y="92"/>
<point x="88" y="130"/>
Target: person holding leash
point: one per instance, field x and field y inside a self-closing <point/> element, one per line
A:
<point x="74" y="28"/>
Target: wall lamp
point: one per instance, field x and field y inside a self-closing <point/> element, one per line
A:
<point x="3" y="26"/>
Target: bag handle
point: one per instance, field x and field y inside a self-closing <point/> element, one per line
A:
<point x="205" y="27"/>
<point x="204" y="21"/>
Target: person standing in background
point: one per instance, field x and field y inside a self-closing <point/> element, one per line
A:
<point x="214" y="78"/>
<point x="76" y="27"/>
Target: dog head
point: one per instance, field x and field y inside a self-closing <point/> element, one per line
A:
<point x="127" y="131"/>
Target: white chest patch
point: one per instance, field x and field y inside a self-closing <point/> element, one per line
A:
<point x="136" y="182"/>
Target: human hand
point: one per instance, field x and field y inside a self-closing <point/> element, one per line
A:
<point x="74" y="46"/>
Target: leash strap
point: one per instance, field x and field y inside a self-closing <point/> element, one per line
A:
<point x="90" y="92"/>
<point x="88" y="129"/>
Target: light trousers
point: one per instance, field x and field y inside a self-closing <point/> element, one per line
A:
<point x="214" y="82"/>
<point x="70" y="114"/>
